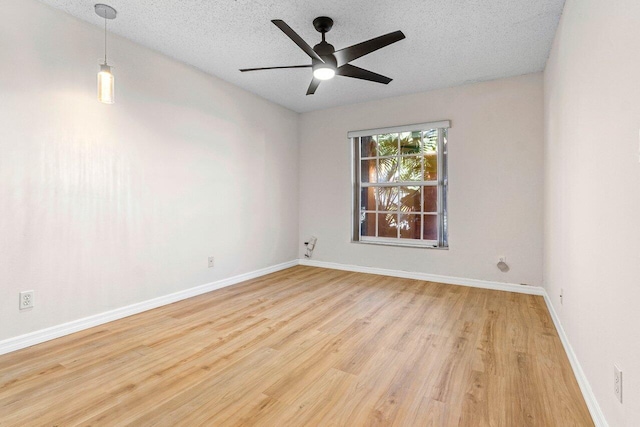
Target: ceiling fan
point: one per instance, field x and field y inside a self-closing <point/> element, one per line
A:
<point x="327" y="62"/>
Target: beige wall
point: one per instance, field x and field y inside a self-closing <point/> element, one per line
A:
<point x="592" y="194"/>
<point x="104" y="206"/>
<point x="495" y="176"/>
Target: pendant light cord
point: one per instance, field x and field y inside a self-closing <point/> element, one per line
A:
<point x="105" y="39"/>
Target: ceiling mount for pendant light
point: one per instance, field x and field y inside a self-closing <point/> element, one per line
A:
<point x="106" y="80"/>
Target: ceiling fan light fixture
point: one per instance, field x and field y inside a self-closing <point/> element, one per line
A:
<point x="324" y="71"/>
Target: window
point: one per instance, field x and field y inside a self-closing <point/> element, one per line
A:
<point x="400" y="185"/>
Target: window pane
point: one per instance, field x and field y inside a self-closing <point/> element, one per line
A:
<point x="410" y="199"/>
<point x="388" y="169"/>
<point x="368" y="146"/>
<point x="410" y="143"/>
<point x="388" y="144"/>
<point x="430" y="150"/>
<point x="430" y="199"/>
<point x="430" y="227"/>
<point x="387" y="198"/>
<point x="410" y="226"/>
<point x="367" y="224"/>
<point x="430" y="140"/>
<point x="388" y="225"/>
<point x="410" y="169"/>
<point x="431" y="166"/>
<point x="368" y="171"/>
<point x="368" y="199"/>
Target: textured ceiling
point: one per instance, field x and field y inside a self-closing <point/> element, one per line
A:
<point x="449" y="42"/>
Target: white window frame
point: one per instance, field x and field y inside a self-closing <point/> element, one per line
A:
<point x="442" y="241"/>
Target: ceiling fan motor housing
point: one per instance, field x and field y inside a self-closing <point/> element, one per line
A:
<point x="323" y="24"/>
<point x="325" y="51"/>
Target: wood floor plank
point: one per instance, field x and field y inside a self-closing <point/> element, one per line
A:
<point x="306" y="346"/>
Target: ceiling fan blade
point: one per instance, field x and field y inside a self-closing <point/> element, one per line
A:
<point x="349" y="70"/>
<point x="313" y="86"/>
<point x="350" y="53"/>
<point x="275" y="68"/>
<point x="296" y="39"/>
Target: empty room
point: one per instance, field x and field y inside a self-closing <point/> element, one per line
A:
<point x="284" y="213"/>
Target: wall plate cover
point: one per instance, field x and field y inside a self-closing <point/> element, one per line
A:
<point x="26" y="299"/>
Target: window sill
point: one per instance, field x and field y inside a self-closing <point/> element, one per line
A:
<point x="399" y="245"/>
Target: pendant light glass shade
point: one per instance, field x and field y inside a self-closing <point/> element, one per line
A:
<point x="106" y="85"/>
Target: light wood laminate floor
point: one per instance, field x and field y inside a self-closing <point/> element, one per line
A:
<point x="306" y="347"/>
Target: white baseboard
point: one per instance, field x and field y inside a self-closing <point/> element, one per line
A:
<point x="37" y="337"/>
<point x="485" y="284"/>
<point x="587" y="392"/>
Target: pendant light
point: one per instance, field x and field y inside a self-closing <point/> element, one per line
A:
<point x="106" y="80"/>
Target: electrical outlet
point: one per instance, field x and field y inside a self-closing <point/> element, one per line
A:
<point x="617" y="384"/>
<point x="210" y="262"/>
<point x="26" y="299"/>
